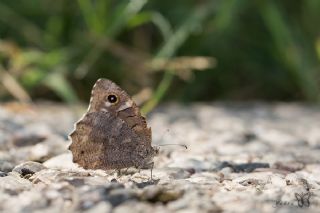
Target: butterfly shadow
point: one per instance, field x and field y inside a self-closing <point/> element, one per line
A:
<point x="150" y="182"/>
<point x="132" y="171"/>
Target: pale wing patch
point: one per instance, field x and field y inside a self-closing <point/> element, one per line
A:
<point x="126" y="105"/>
<point x="107" y="104"/>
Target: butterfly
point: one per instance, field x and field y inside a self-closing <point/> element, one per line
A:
<point x="112" y="134"/>
<point x="303" y="199"/>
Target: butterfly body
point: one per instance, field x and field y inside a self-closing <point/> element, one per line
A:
<point x="112" y="134"/>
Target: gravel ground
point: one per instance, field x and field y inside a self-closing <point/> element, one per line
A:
<point x="251" y="157"/>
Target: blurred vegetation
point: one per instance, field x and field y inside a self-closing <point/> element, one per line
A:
<point x="184" y="50"/>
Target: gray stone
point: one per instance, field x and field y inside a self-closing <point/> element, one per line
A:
<point x="6" y="166"/>
<point x="160" y="194"/>
<point x="194" y="202"/>
<point x="189" y="164"/>
<point x="139" y="207"/>
<point x="28" y="168"/>
<point x="62" y="161"/>
<point x="14" y="184"/>
<point x="3" y="174"/>
<point x="52" y="146"/>
<point x="101" y="207"/>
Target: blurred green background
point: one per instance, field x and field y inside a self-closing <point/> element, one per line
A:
<point x="183" y="50"/>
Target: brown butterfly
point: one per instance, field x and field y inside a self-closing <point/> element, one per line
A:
<point x="112" y="134"/>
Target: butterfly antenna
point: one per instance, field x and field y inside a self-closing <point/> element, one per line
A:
<point x="171" y="144"/>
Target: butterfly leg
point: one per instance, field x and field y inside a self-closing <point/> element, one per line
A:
<point x="119" y="173"/>
<point x="151" y="165"/>
<point x="126" y="171"/>
<point x="113" y="171"/>
<point x="147" y="166"/>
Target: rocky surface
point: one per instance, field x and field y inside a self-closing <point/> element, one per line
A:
<point x="240" y="158"/>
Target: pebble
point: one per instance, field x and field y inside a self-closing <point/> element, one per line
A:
<point x="62" y="161"/>
<point x="14" y="184"/>
<point x="156" y="194"/>
<point x="28" y="168"/>
<point x="102" y="206"/>
<point x="6" y="166"/>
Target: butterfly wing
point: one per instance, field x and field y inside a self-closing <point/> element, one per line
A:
<point x="111" y="135"/>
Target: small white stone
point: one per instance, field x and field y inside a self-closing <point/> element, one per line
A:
<point x="63" y="161"/>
